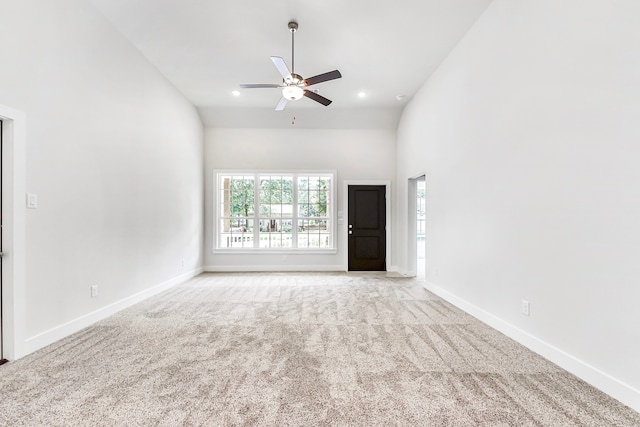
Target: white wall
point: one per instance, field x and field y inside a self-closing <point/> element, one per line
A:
<point x="528" y="134"/>
<point x="354" y="154"/>
<point x="114" y="154"/>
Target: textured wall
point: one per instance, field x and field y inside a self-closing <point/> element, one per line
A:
<point x="353" y="154"/>
<point x="528" y="137"/>
<point x="114" y="154"/>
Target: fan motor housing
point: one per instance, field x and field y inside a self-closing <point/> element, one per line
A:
<point x="293" y="79"/>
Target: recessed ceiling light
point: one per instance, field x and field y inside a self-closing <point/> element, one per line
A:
<point x="362" y="94"/>
<point x="399" y="97"/>
<point x="235" y="93"/>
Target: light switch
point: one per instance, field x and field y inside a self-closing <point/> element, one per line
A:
<point x="32" y="201"/>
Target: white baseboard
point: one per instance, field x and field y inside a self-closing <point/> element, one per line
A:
<point x="43" y="339"/>
<point x="396" y="269"/>
<point x="601" y="380"/>
<point x="271" y="268"/>
<point x="402" y="271"/>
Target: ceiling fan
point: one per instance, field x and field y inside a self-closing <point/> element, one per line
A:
<point x="293" y="85"/>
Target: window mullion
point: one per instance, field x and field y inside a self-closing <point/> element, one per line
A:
<point x="256" y="210"/>
<point x="294" y="214"/>
<point x="218" y="224"/>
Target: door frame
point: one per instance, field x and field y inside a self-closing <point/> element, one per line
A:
<point x="344" y="219"/>
<point x="14" y="218"/>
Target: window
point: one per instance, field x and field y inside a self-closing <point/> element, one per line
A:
<point x="277" y="211"/>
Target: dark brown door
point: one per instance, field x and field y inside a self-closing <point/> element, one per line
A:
<point x="367" y="228"/>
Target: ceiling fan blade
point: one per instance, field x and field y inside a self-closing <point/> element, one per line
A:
<point x="281" y="66"/>
<point x="281" y="104"/>
<point x="318" y="98"/>
<point x="258" y="86"/>
<point x="331" y="75"/>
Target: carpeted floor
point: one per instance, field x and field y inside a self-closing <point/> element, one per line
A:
<point x="308" y="349"/>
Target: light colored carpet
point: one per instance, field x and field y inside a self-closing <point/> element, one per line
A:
<point x="281" y="349"/>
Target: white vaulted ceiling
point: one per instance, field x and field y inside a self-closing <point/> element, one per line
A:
<point x="206" y="48"/>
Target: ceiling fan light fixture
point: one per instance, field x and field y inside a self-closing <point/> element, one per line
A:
<point x="294" y="85"/>
<point x="292" y="93"/>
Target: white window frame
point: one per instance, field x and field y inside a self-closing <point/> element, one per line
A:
<point x="333" y="219"/>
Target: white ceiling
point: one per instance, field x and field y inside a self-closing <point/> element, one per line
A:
<point x="206" y="48"/>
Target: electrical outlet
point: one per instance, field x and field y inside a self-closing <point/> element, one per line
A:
<point x="94" y="291"/>
<point x="525" y="308"/>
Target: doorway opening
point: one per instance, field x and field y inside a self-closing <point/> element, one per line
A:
<point x="12" y="184"/>
<point x="2" y="358"/>
<point x="421" y="242"/>
<point x="416" y="227"/>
